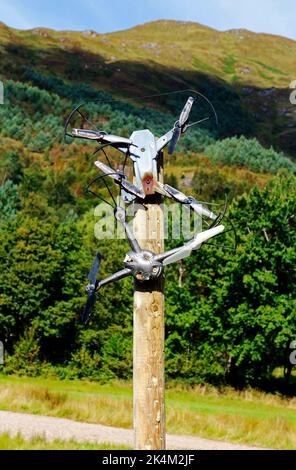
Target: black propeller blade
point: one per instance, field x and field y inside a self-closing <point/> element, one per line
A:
<point x="175" y="138"/>
<point x="181" y="124"/>
<point x="93" y="273"/>
<point x="91" y="288"/>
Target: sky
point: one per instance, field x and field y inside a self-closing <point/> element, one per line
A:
<point x="103" y="16"/>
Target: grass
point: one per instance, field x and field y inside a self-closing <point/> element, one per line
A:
<point x="229" y="64"/>
<point x="204" y="67"/>
<point x="270" y="68"/>
<point x="40" y="443"/>
<point x="248" y="417"/>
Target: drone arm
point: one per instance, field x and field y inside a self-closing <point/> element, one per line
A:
<point x="119" y="179"/>
<point x="131" y="238"/>
<point x="102" y="137"/>
<point x="87" y="134"/>
<point x="201" y="210"/>
<point x="114" y="277"/>
<point x="164" y="140"/>
<point x="168" y="253"/>
<point x="120" y="215"/>
<point x="177" y="254"/>
<point x="195" y="205"/>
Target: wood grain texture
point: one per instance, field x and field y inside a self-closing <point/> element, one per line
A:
<point x="148" y="346"/>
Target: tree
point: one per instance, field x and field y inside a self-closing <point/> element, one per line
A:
<point x="9" y="201"/>
<point x="11" y="167"/>
<point x="248" y="153"/>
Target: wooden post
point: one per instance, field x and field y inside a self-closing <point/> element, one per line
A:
<point x="148" y="344"/>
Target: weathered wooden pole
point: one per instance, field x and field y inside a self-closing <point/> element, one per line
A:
<point x="148" y="343"/>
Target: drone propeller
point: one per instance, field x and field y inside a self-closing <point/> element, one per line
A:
<point x="175" y="138"/>
<point x="194" y="244"/>
<point x="91" y="288"/>
<point x="180" y="125"/>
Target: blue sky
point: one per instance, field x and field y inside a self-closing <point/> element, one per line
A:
<point x="269" y="16"/>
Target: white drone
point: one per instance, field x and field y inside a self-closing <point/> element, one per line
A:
<point x="144" y="149"/>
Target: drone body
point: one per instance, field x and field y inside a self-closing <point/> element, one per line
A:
<point x="144" y="154"/>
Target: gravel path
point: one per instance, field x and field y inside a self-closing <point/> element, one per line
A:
<point x="51" y="428"/>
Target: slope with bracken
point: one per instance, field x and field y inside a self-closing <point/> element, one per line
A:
<point x="247" y="75"/>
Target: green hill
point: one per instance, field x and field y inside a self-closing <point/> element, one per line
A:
<point x="247" y="75"/>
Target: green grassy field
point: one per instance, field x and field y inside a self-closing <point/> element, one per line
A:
<point x="39" y="443"/>
<point x="248" y="417"/>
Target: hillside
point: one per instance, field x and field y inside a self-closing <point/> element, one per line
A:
<point x="246" y="75"/>
<point x="255" y="59"/>
<point x="230" y="317"/>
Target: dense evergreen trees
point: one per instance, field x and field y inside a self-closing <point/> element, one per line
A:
<point x="248" y="153"/>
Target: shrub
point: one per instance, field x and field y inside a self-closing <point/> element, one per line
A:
<point x="248" y="153"/>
